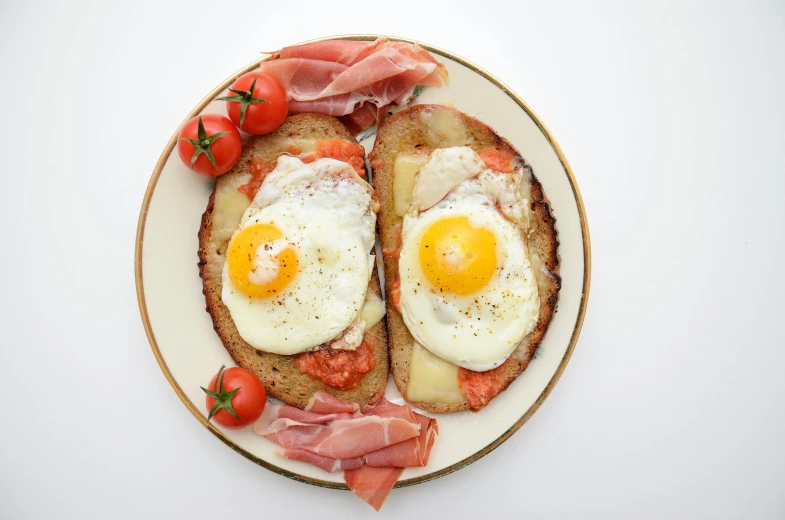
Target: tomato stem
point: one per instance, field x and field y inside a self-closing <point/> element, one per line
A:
<point x="245" y="98"/>
<point x="202" y="144"/>
<point x="223" y="399"/>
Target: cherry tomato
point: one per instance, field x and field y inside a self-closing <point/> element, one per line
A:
<point x="235" y="398"/>
<point x="209" y="144"/>
<point x="258" y="104"/>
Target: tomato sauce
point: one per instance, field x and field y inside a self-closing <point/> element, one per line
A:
<point x="338" y="149"/>
<point x="345" y="151"/>
<point x="395" y="294"/>
<point x="341" y="369"/>
<point x="377" y="164"/>
<point x="497" y="160"/>
<point x="259" y="168"/>
<point x="480" y="387"/>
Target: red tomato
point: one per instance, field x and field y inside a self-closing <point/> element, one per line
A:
<point x="209" y="144"/>
<point x="235" y="398"/>
<point x="258" y="104"/>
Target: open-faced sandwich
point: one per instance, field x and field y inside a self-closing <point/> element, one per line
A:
<point x="285" y="258"/>
<point x="285" y="250"/>
<point x="470" y="256"/>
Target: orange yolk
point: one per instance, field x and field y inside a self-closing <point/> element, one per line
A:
<point x="458" y="257"/>
<point x="255" y="276"/>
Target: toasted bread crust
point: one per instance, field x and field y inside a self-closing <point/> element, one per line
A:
<point x="280" y="377"/>
<point x="404" y="132"/>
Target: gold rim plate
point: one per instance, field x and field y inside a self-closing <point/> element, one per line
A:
<point x="454" y="467"/>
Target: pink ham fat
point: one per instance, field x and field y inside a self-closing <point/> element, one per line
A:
<point x="320" y="461"/>
<point x="322" y="402"/>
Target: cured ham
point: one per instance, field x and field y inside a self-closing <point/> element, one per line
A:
<point x="344" y="438"/>
<point x="285" y="411"/>
<point x="438" y="77"/>
<point x="342" y="105"/>
<point x="365" y="116"/>
<point x="357" y="80"/>
<point x="385" y="92"/>
<point x="408" y="454"/>
<point x="320" y="461"/>
<point x="371" y="446"/>
<point x="372" y="484"/>
<point x="380" y="78"/>
<point x="305" y="79"/>
<point x="322" y="402"/>
<point x="381" y="65"/>
<point x="347" y="52"/>
<point x="385" y="408"/>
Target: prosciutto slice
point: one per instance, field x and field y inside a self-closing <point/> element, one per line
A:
<point x="408" y="454"/>
<point x="371" y="446"/>
<point x="347" y="52"/>
<point x="438" y="77"/>
<point x="371" y="71"/>
<point x="411" y="453"/>
<point x="340" y="105"/>
<point x="322" y="402"/>
<point x="372" y="484"/>
<point x="304" y="79"/>
<point x="285" y="411"/>
<point x="385" y="92"/>
<point x="362" y="117"/>
<point x="342" y="439"/>
<point x="385" y="408"/>
<point x="307" y="80"/>
<point x="320" y="461"/>
<point x="357" y="80"/>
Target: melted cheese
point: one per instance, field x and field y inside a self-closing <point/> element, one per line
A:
<point x="305" y="145"/>
<point x="432" y="380"/>
<point x="229" y="205"/>
<point x="444" y="171"/>
<point x="447" y="125"/>
<point x="404" y="170"/>
<point x="373" y="310"/>
<point x="526" y="186"/>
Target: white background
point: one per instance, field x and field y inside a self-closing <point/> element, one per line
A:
<point x="672" y="116"/>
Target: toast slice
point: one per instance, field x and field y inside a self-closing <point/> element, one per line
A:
<point x="280" y="376"/>
<point x="423" y="128"/>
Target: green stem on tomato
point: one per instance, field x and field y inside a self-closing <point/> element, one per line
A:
<point x="245" y="98"/>
<point x="202" y="144"/>
<point x="223" y="399"/>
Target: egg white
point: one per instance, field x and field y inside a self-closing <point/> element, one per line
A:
<point x="477" y="331"/>
<point x="324" y="211"/>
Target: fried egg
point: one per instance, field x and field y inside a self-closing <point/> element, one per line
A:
<point x="468" y="292"/>
<point x="298" y="265"/>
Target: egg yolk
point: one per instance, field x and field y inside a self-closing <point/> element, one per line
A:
<point x="458" y="257"/>
<point x="261" y="262"/>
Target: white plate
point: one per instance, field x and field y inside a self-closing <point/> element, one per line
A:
<point x="189" y="352"/>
